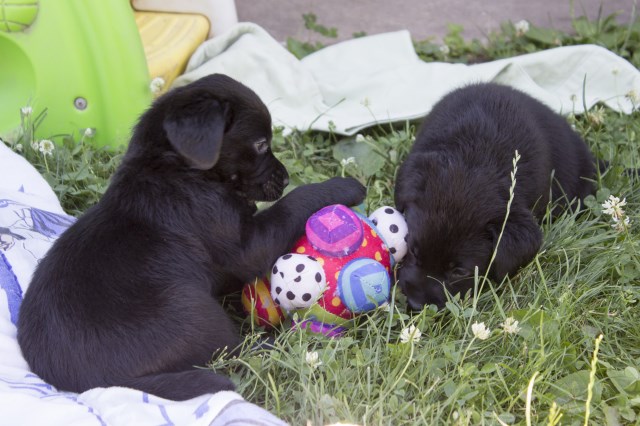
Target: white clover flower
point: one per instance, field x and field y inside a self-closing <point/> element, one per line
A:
<point x="510" y="326"/>
<point x="444" y="49"/>
<point x="410" y="333"/>
<point x="18" y="147"/>
<point x="156" y="85"/>
<point x="26" y="111"/>
<point x="613" y="207"/>
<point x="312" y="359"/>
<point x="35" y="145"/>
<point x="596" y="116"/>
<point x="89" y="132"/>
<point x="621" y="225"/>
<point x="632" y="95"/>
<point x="385" y="307"/>
<point x="46" y="147"/>
<point x="360" y="138"/>
<point x="346" y="161"/>
<point x="521" y="27"/>
<point x="480" y="331"/>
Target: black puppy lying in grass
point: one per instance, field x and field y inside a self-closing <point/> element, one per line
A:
<point x="454" y="186"/>
<point x="126" y="296"/>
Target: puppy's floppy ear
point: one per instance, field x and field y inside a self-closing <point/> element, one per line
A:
<point x="519" y="244"/>
<point x="195" y="131"/>
<point x="412" y="177"/>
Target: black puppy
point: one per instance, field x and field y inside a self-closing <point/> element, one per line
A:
<point x="453" y="187"/>
<point x="125" y="296"/>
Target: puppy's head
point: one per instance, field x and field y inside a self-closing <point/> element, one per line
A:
<point x="442" y="257"/>
<point x="455" y="215"/>
<point x="216" y="127"/>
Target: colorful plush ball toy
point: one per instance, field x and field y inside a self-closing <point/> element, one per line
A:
<point x="340" y="268"/>
<point x="297" y="281"/>
<point x="256" y="300"/>
<point x="391" y="224"/>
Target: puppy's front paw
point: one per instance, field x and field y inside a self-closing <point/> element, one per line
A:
<point x="347" y="191"/>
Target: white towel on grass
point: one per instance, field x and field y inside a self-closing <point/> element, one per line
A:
<point x="378" y="79"/>
<point x="31" y="218"/>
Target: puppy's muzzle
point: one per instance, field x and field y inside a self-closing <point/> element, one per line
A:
<point x="274" y="186"/>
<point x="421" y="289"/>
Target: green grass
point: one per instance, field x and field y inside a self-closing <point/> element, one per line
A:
<point x="584" y="283"/>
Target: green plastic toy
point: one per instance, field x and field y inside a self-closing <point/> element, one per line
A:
<point x="80" y="60"/>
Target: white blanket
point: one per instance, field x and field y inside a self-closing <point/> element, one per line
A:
<point x="377" y="79"/>
<point x="30" y="220"/>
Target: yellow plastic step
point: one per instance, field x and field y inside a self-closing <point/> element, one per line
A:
<point x="169" y="40"/>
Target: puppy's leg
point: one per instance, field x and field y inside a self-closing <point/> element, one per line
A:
<point x="277" y="228"/>
<point x="295" y="208"/>
<point x="182" y="385"/>
<point x="168" y="355"/>
<point x="519" y="243"/>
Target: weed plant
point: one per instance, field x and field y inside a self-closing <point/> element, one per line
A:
<point x="572" y="357"/>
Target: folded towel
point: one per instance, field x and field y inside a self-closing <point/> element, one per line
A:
<point x="378" y="79"/>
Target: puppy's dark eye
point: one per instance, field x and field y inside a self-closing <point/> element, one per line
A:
<point x="261" y="146"/>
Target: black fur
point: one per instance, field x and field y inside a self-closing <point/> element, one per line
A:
<point x="126" y="296"/>
<point x="454" y="186"/>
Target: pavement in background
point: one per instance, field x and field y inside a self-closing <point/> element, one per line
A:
<point x="423" y="18"/>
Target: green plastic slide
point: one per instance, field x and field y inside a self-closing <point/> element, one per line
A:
<point x="80" y="60"/>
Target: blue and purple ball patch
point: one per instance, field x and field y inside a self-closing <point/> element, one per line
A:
<point x="335" y="231"/>
<point x="363" y="285"/>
